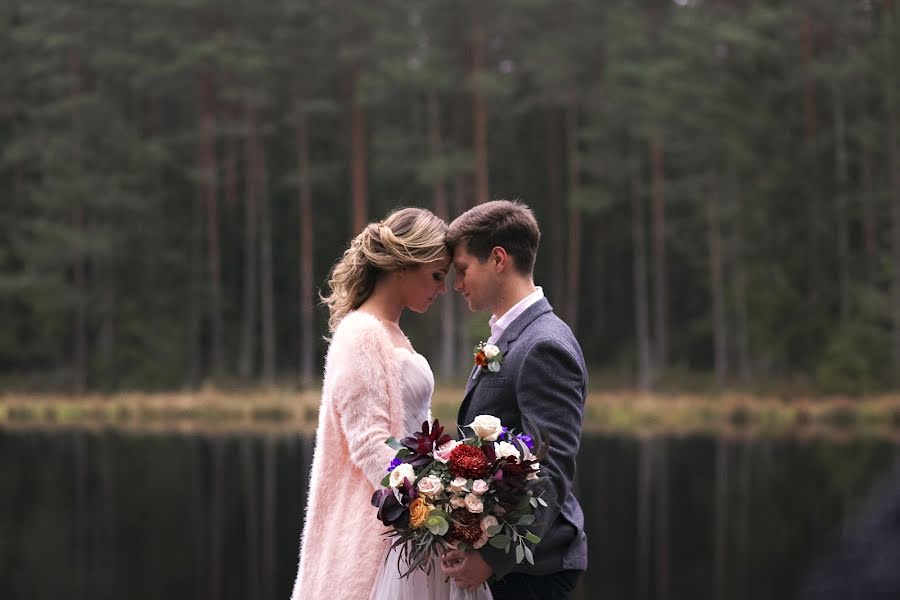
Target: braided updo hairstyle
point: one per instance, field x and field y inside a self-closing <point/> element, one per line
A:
<point x="408" y="237"/>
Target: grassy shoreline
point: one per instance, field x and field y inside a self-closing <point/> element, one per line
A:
<point x="625" y="412"/>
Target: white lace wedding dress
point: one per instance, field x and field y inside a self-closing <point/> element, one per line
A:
<point x="418" y="386"/>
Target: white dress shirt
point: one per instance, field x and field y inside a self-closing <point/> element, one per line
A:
<point x="499" y="324"/>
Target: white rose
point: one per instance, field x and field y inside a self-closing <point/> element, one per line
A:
<point x="431" y="486"/>
<point x="480" y="486"/>
<point x="400" y="472"/>
<point x="488" y="521"/>
<point x="505" y="449"/>
<point x="458" y="502"/>
<point x="490" y="351"/>
<point x="473" y="503"/>
<point x="486" y="427"/>
<point x="535" y="467"/>
<point x="442" y="454"/>
<point x="458" y="484"/>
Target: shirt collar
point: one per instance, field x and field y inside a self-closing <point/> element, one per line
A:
<point x="499" y="324"/>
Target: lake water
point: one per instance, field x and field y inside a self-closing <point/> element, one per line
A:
<point x="111" y="515"/>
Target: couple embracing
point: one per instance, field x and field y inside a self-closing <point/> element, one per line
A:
<point x="376" y="386"/>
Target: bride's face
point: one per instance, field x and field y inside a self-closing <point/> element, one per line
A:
<point x="424" y="283"/>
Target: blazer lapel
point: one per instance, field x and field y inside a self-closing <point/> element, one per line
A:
<point x="508" y="336"/>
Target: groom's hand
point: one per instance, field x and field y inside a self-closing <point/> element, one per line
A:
<point x="467" y="569"/>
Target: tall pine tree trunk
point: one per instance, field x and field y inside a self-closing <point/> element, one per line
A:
<point x="267" y="302"/>
<point x="479" y="105"/>
<point x="307" y="291"/>
<point x="641" y="308"/>
<point x="195" y="310"/>
<point x="230" y="119"/>
<point x="439" y="203"/>
<point x="894" y="175"/>
<point x="462" y="201"/>
<point x="251" y="255"/>
<point x="742" y="317"/>
<point x="870" y="238"/>
<point x="79" y="266"/>
<point x="892" y="97"/>
<point x="358" y="155"/>
<point x="809" y="134"/>
<point x="555" y="206"/>
<point x="660" y="276"/>
<point x="840" y="200"/>
<point x="717" y="285"/>
<point x="574" y="251"/>
<point x="207" y="169"/>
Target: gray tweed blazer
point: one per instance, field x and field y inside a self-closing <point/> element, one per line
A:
<point x="542" y="377"/>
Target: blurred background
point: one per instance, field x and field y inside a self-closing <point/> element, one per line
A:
<point x="718" y="186"/>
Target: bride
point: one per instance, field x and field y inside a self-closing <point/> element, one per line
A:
<point x="376" y="386"/>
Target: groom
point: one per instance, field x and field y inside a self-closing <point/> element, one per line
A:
<point x="541" y="380"/>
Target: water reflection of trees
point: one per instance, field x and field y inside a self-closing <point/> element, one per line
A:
<point x="107" y="515"/>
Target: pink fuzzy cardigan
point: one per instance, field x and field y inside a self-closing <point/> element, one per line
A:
<point x="342" y="546"/>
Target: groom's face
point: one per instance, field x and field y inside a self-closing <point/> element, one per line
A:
<point x="473" y="279"/>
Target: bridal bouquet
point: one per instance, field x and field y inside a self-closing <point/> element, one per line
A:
<point x="441" y="493"/>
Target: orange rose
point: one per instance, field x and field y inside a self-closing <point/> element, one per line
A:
<point x="480" y="359"/>
<point x="418" y="512"/>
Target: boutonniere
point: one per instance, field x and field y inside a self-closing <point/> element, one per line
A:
<point x="488" y="356"/>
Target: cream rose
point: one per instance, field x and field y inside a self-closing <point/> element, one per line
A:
<point x="505" y="449"/>
<point x="486" y="427"/>
<point x="480" y="486"/>
<point x="474" y="503"/>
<point x="442" y="454"/>
<point x="458" y="502"/>
<point x="490" y="351"/>
<point x="488" y="521"/>
<point x="458" y="484"/>
<point x="400" y="472"/>
<point x="431" y="486"/>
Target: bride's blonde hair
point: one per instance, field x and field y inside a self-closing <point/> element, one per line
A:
<point x="408" y="237"/>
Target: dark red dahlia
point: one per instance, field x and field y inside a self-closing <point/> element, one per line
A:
<point x="468" y="462"/>
<point x="465" y="526"/>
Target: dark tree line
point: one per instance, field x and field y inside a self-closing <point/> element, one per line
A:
<point x="718" y="181"/>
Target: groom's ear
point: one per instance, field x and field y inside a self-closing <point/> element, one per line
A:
<point x="499" y="259"/>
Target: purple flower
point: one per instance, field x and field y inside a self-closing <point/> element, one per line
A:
<point x="504" y="432"/>
<point x="394" y="464"/>
<point x="526" y="439"/>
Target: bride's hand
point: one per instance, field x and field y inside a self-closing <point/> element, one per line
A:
<point x="467" y="569"/>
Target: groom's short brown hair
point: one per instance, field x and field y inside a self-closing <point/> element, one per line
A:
<point x="505" y="223"/>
